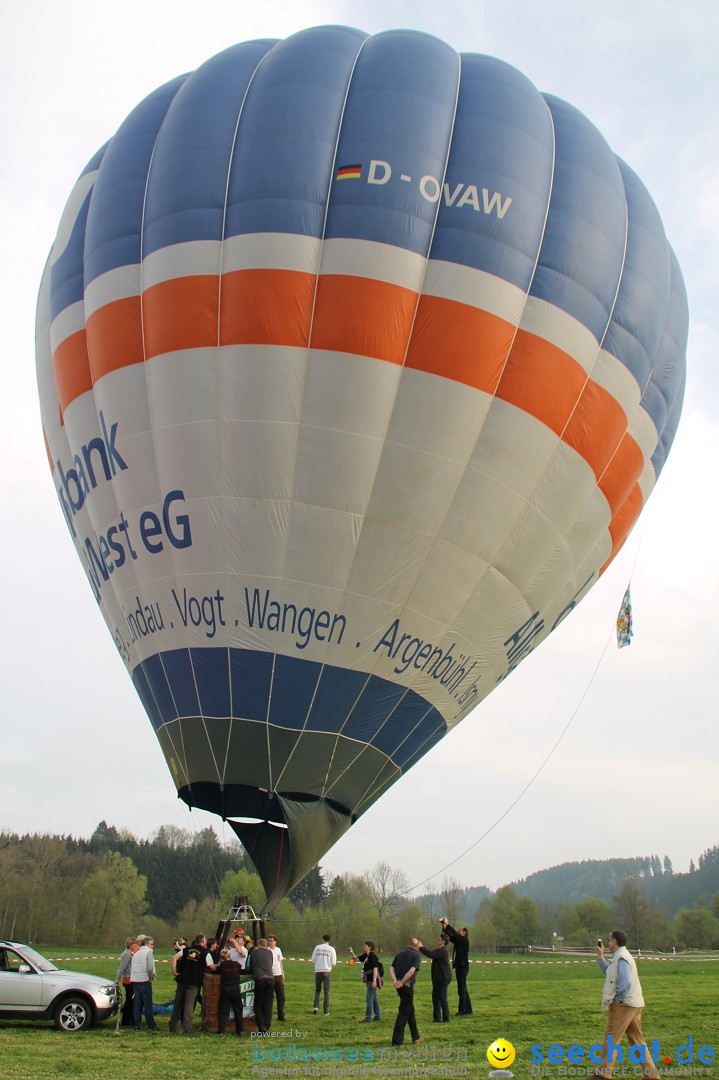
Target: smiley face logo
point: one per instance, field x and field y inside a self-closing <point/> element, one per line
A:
<point x="500" y="1054"/>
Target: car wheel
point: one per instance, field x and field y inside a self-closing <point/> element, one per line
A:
<point x="73" y="1014"/>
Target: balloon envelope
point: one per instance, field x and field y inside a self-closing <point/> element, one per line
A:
<point x="358" y="360"/>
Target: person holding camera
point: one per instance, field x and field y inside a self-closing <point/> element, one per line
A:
<point x="460" y="963"/>
<point x="623" y="1001"/>
<point x="190" y="967"/>
<point x="441" y="978"/>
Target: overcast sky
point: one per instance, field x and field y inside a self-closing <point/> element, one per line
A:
<point x="636" y="772"/>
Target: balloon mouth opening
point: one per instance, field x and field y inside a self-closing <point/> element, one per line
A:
<point x="283" y="833"/>
<point x="235" y="820"/>
<point x="251" y="806"/>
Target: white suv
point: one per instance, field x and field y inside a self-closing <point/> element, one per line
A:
<point x="32" y="988"/>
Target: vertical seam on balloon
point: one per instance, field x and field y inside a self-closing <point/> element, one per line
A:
<point x="135" y="579"/>
<point x="218" y="397"/>
<point x="618" y="545"/>
<point x="642" y="390"/>
<point x="152" y="438"/>
<point x="375" y="791"/>
<point x="538" y="255"/>
<point x="341" y="735"/>
<point x="639" y="407"/>
<point x="169" y="737"/>
<point x="595" y="489"/>
<point x="110" y="600"/>
<point x="450" y="626"/>
<point x="387" y="763"/>
<point x="430" y="708"/>
<point x="303" y="729"/>
<point x="679" y="388"/>
<point x="497" y="384"/>
<point x="182" y="755"/>
<point x="308" y="352"/>
<point x="122" y="616"/>
<point x="397" y="391"/>
<point x="600" y="344"/>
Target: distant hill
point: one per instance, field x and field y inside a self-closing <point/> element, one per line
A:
<point x="575" y="881"/>
<point x="602" y="879"/>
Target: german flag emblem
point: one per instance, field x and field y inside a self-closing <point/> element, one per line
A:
<point x="349" y="172"/>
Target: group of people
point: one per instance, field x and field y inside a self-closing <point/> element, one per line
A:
<point x="403" y="972"/>
<point x="136" y="975"/>
<point x="622" y="995"/>
<point x="190" y="963"/>
<point x="405" y="968"/>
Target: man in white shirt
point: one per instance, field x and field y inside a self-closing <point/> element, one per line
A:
<point x="279" y="973"/>
<point x="238" y="951"/>
<point x="324" y="958"/>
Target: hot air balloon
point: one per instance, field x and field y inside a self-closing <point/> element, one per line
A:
<point x="358" y="359"/>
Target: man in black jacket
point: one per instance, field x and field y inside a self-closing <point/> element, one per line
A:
<point x="441" y="978"/>
<point x="190" y="968"/>
<point x="460" y="963"/>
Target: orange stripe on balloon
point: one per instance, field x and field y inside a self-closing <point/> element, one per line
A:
<point x="542" y="380"/>
<point x="460" y="342"/>
<point x="369" y="318"/>
<point x="622" y="473"/>
<point x="71" y="368"/>
<point x="363" y="316"/>
<point x="596" y="428"/>
<point x="266" y="307"/>
<point x="114" y="336"/>
<point x="180" y="314"/>
<point x="622" y="522"/>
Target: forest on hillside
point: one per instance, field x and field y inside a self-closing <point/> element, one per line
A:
<point x="96" y="891"/>
<point x="604" y="878"/>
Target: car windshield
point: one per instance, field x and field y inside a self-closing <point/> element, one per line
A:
<point x="39" y="961"/>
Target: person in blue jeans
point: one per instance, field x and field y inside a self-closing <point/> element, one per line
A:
<point x="371" y="978"/>
<point x="142" y="974"/>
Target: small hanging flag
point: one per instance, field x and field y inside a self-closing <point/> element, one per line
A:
<point x="624" y="621"/>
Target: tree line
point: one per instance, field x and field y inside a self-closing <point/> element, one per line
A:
<point x="602" y="879"/>
<point x="512" y="919"/>
<point x="73" y="892"/>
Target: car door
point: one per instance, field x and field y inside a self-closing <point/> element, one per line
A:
<point x="21" y="990"/>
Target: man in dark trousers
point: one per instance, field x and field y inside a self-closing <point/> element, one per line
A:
<point x="460" y="963"/>
<point x="403" y="973"/>
<point x="230" y="993"/>
<point x="260" y="964"/>
<point x="441" y="978"/>
<point x="190" y="968"/>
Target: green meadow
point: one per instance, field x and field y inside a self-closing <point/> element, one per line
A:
<point x="536" y="1003"/>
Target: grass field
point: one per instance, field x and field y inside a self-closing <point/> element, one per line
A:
<point x="526" y="1003"/>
